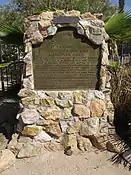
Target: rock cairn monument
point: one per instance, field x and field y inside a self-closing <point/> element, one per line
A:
<point x="65" y="98"/>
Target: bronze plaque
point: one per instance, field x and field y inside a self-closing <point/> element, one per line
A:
<point x="66" y="61"/>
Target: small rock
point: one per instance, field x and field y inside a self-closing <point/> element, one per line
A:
<point x="51" y="30"/>
<point x="75" y="128"/>
<point x="64" y="125"/>
<point x="7" y="159"/>
<point x="26" y="93"/>
<point x="84" y="144"/>
<point x="30" y="116"/>
<point x="67" y="113"/>
<point x="98" y="108"/>
<point x="81" y="110"/>
<point x="50" y="113"/>
<point x="31" y="130"/>
<point x="52" y="94"/>
<point x="90" y="127"/>
<point x="30" y="101"/>
<point x="77" y="97"/>
<point x="42" y="137"/>
<point x="14" y="146"/>
<point x="65" y="96"/>
<point x="53" y="146"/>
<point x="53" y="129"/>
<point x="3" y="142"/>
<point x="47" y="102"/>
<point x="29" y="150"/>
<point x="99" y="95"/>
<point x="70" y="140"/>
<point x="63" y="103"/>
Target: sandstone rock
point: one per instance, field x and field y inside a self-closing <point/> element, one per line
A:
<point x="90" y="127"/>
<point x="98" y="108"/>
<point x="59" y="13"/>
<point x="3" y="142"/>
<point x="42" y="137"/>
<point x="14" y="146"/>
<point x="7" y="159"/>
<point x="53" y="129"/>
<point x="63" y="103"/>
<point x="73" y="13"/>
<point x="30" y="101"/>
<point x="88" y="16"/>
<point x="75" y="128"/>
<point x="53" y="146"/>
<point x="47" y="101"/>
<point x="84" y="144"/>
<point x="70" y="140"/>
<point x="30" y="116"/>
<point x="50" y="113"/>
<point x="65" y="95"/>
<point x="77" y="97"/>
<point x="40" y="121"/>
<point x="94" y="34"/>
<point x="99" y="141"/>
<point x="44" y="23"/>
<point x="81" y="110"/>
<point x="24" y="139"/>
<point x="26" y="93"/>
<point x="52" y="94"/>
<point x="66" y="113"/>
<point x="99" y="95"/>
<point x="31" y="130"/>
<point x="51" y="30"/>
<point x="36" y="37"/>
<point x="64" y="125"/>
<point x="47" y="15"/>
<point x="103" y="126"/>
<point x="29" y="150"/>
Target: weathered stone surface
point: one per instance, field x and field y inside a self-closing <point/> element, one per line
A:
<point x="26" y="93"/>
<point x="29" y="150"/>
<point x="81" y="110"/>
<point x="53" y="129"/>
<point x="77" y="97"/>
<point x="66" y="114"/>
<point x="47" y="15"/>
<point x="99" y="95"/>
<point x="30" y="116"/>
<point x="31" y="130"/>
<point x="105" y="53"/>
<point x="65" y="95"/>
<point x="59" y="13"/>
<point x="75" y="128"/>
<point x="40" y="121"/>
<point x="3" y="142"/>
<point x="90" y="127"/>
<point x="30" y="101"/>
<point x="64" y="125"/>
<point x="44" y="23"/>
<point x="24" y="139"/>
<point x="70" y="140"/>
<point x="103" y="126"/>
<point x="42" y="137"/>
<point x="14" y="146"/>
<point x="89" y="95"/>
<point x="63" y="103"/>
<point x="50" y="113"/>
<point x="52" y="30"/>
<point x="88" y="16"/>
<point x="49" y="101"/>
<point x="53" y="146"/>
<point x="99" y="141"/>
<point x="52" y="94"/>
<point x="84" y="144"/>
<point x="7" y="159"/>
<point x="98" y="23"/>
<point x="97" y="108"/>
<point x="73" y="13"/>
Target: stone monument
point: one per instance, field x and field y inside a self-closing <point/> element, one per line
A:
<point x="66" y="91"/>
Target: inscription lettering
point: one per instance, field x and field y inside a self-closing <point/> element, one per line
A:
<point x="66" y="61"/>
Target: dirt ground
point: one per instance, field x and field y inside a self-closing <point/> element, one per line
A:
<point x="56" y="163"/>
